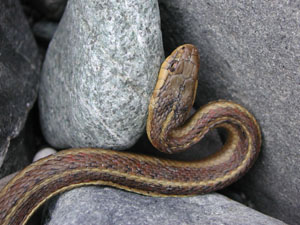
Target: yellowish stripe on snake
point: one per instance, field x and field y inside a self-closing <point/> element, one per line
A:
<point x="169" y="107"/>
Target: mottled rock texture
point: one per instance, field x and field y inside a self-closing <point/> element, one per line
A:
<point x="19" y="75"/>
<point x="250" y="53"/>
<point x="92" y="205"/>
<point x="99" y="73"/>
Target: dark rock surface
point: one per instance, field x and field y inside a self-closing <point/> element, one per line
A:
<point x="19" y="76"/>
<point x="44" y="30"/>
<point x="52" y="9"/>
<point x="250" y="53"/>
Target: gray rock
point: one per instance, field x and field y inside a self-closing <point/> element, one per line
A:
<point x="250" y="53"/>
<point x="44" y="30"/>
<point x="92" y="205"/>
<point x="52" y="9"/>
<point x="19" y="75"/>
<point x="6" y="179"/>
<point x="99" y="72"/>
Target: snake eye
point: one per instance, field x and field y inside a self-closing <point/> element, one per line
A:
<point x="173" y="65"/>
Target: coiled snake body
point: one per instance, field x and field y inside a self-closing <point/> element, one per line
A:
<point x="169" y="107"/>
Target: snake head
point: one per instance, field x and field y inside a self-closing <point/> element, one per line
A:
<point x="174" y="93"/>
<point x="182" y="55"/>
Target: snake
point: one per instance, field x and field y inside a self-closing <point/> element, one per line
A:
<point x="170" y="129"/>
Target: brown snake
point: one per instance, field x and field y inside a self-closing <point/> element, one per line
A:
<point x="169" y="107"/>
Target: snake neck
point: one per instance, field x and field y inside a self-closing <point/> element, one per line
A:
<point x="220" y="114"/>
<point x="173" y="96"/>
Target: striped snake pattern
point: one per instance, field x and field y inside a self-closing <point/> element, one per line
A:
<point x="167" y="130"/>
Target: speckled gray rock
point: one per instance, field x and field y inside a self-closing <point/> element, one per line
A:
<point x="92" y="205"/>
<point x="250" y="53"/>
<point x="99" y="72"/>
<point x="19" y="75"/>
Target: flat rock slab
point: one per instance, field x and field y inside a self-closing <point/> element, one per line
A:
<point x="19" y="75"/>
<point x="93" y="205"/>
<point x="250" y="53"/>
<point x="100" y="70"/>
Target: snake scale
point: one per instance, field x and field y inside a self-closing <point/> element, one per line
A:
<point x="167" y="130"/>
